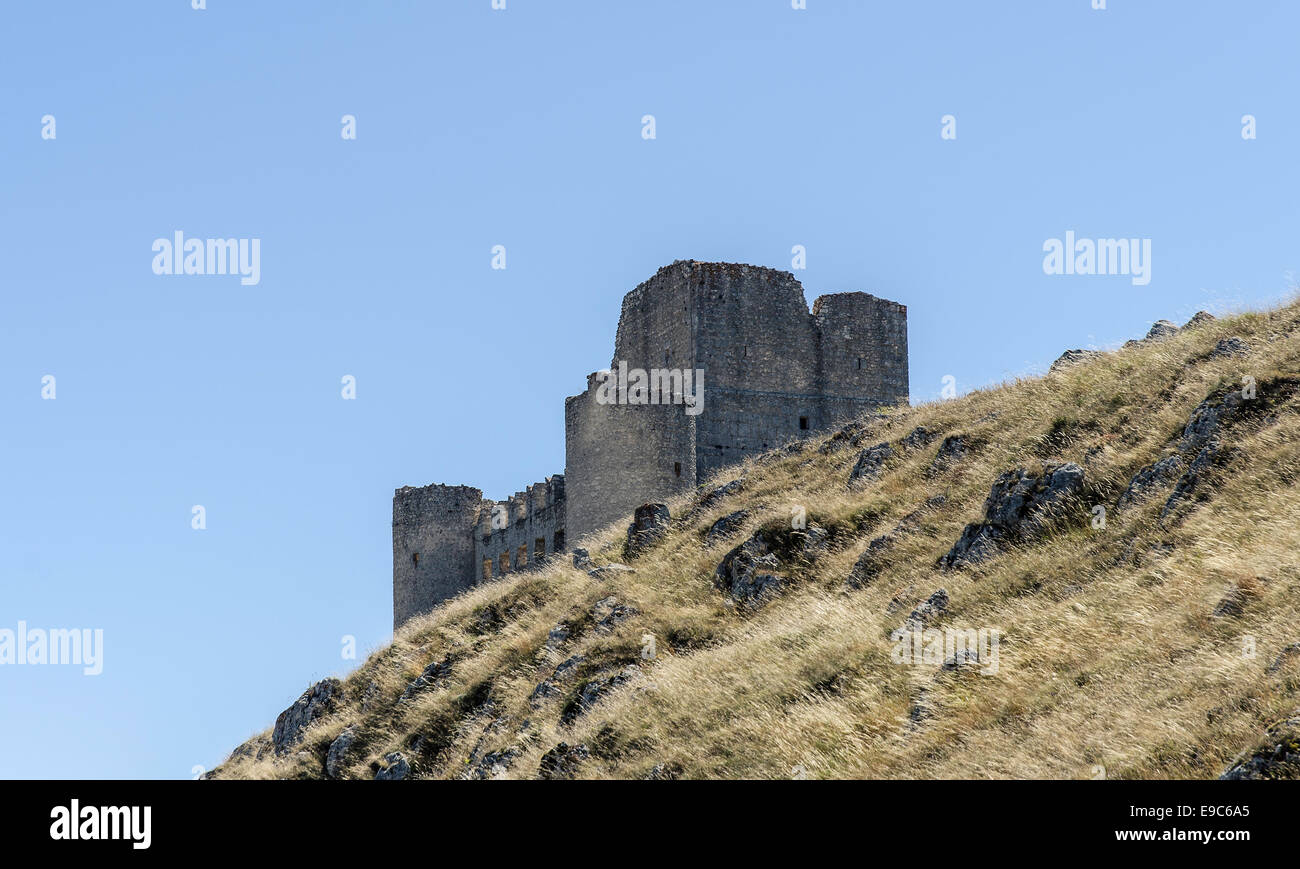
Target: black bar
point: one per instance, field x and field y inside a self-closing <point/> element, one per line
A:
<point x="324" y="820"/>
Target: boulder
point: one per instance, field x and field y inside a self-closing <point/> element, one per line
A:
<point x="427" y="679"/>
<point x="596" y="688"/>
<point x="954" y="450"/>
<point x="549" y="687"/>
<point x="1072" y="357"/>
<point x="1200" y="318"/>
<point x="849" y="436"/>
<point x="561" y="761"/>
<point x="871" y="561"/>
<point x="746" y="573"/>
<point x="493" y="764"/>
<point x="649" y="525"/>
<point x="813" y="541"/>
<point x="1153" y="476"/>
<point x="663" y="772"/>
<point x="1277" y="757"/>
<point x="930" y="609"/>
<point x="336" y="757"/>
<point x="1230" y="346"/>
<point x="1189" y="484"/>
<point x="1206" y="423"/>
<point x="254" y="749"/>
<point x="870" y="461"/>
<point x="1231" y="605"/>
<point x="608" y="614"/>
<point x="582" y="559"/>
<point x="316" y="702"/>
<point x="1020" y="496"/>
<point x="1160" y="330"/>
<point x="1287" y="653"/>
<point x="557" y="636"/>
<point x="1018" y="505"/>
<point x="918" y="437"/>
<point x="394" y="767"/>
<point x="724" y="491"/>
<point x="725" y="527"/>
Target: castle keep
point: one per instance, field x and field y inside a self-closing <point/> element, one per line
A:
<point x="772" y="372"/>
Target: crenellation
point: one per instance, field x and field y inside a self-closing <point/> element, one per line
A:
<point x="522" y="529"/>
<point x="772" y="371"/>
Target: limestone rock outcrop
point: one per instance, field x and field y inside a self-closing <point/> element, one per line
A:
<point x="316" y="702"/>
<point x="1019" y="503"/>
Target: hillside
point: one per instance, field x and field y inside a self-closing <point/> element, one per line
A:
<point x="1162" y="642"/>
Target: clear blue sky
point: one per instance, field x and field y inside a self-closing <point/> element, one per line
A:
<point x="522" y="127"/>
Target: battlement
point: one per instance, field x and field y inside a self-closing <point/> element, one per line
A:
<point x="772" y="371"/>
<point x="521" y="531"/>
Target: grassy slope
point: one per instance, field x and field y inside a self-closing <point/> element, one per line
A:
<point x="1110" y="656"/>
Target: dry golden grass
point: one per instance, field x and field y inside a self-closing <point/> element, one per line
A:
<point x="1111" y="662"/>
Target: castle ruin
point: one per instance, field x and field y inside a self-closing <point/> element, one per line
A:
<point x="772" y="372"/>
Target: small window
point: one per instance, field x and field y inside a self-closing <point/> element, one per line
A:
<point x="503" y="563"/>
<point x="557" y="541"/>
<point x="803" y="423"/>
<point x="858" y="364"/>
<point x="415" y="558"/>
<point x="521" y="557"/>
<point x="677" y="468"/>
<point x="539" y="548"/>
<point x="487" y="569"/>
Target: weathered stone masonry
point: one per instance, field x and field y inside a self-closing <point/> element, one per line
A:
<point x="773" y="372"/>
<point x="450" y="538"/>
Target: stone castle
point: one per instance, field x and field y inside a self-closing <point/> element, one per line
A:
<point x="772" y="372"/>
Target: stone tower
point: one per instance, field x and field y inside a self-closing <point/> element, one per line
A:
<point x="772" y="372"/>
<point x="432" y="551"/>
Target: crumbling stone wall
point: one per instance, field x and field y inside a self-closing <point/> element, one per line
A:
<point x="534" y="530"/>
